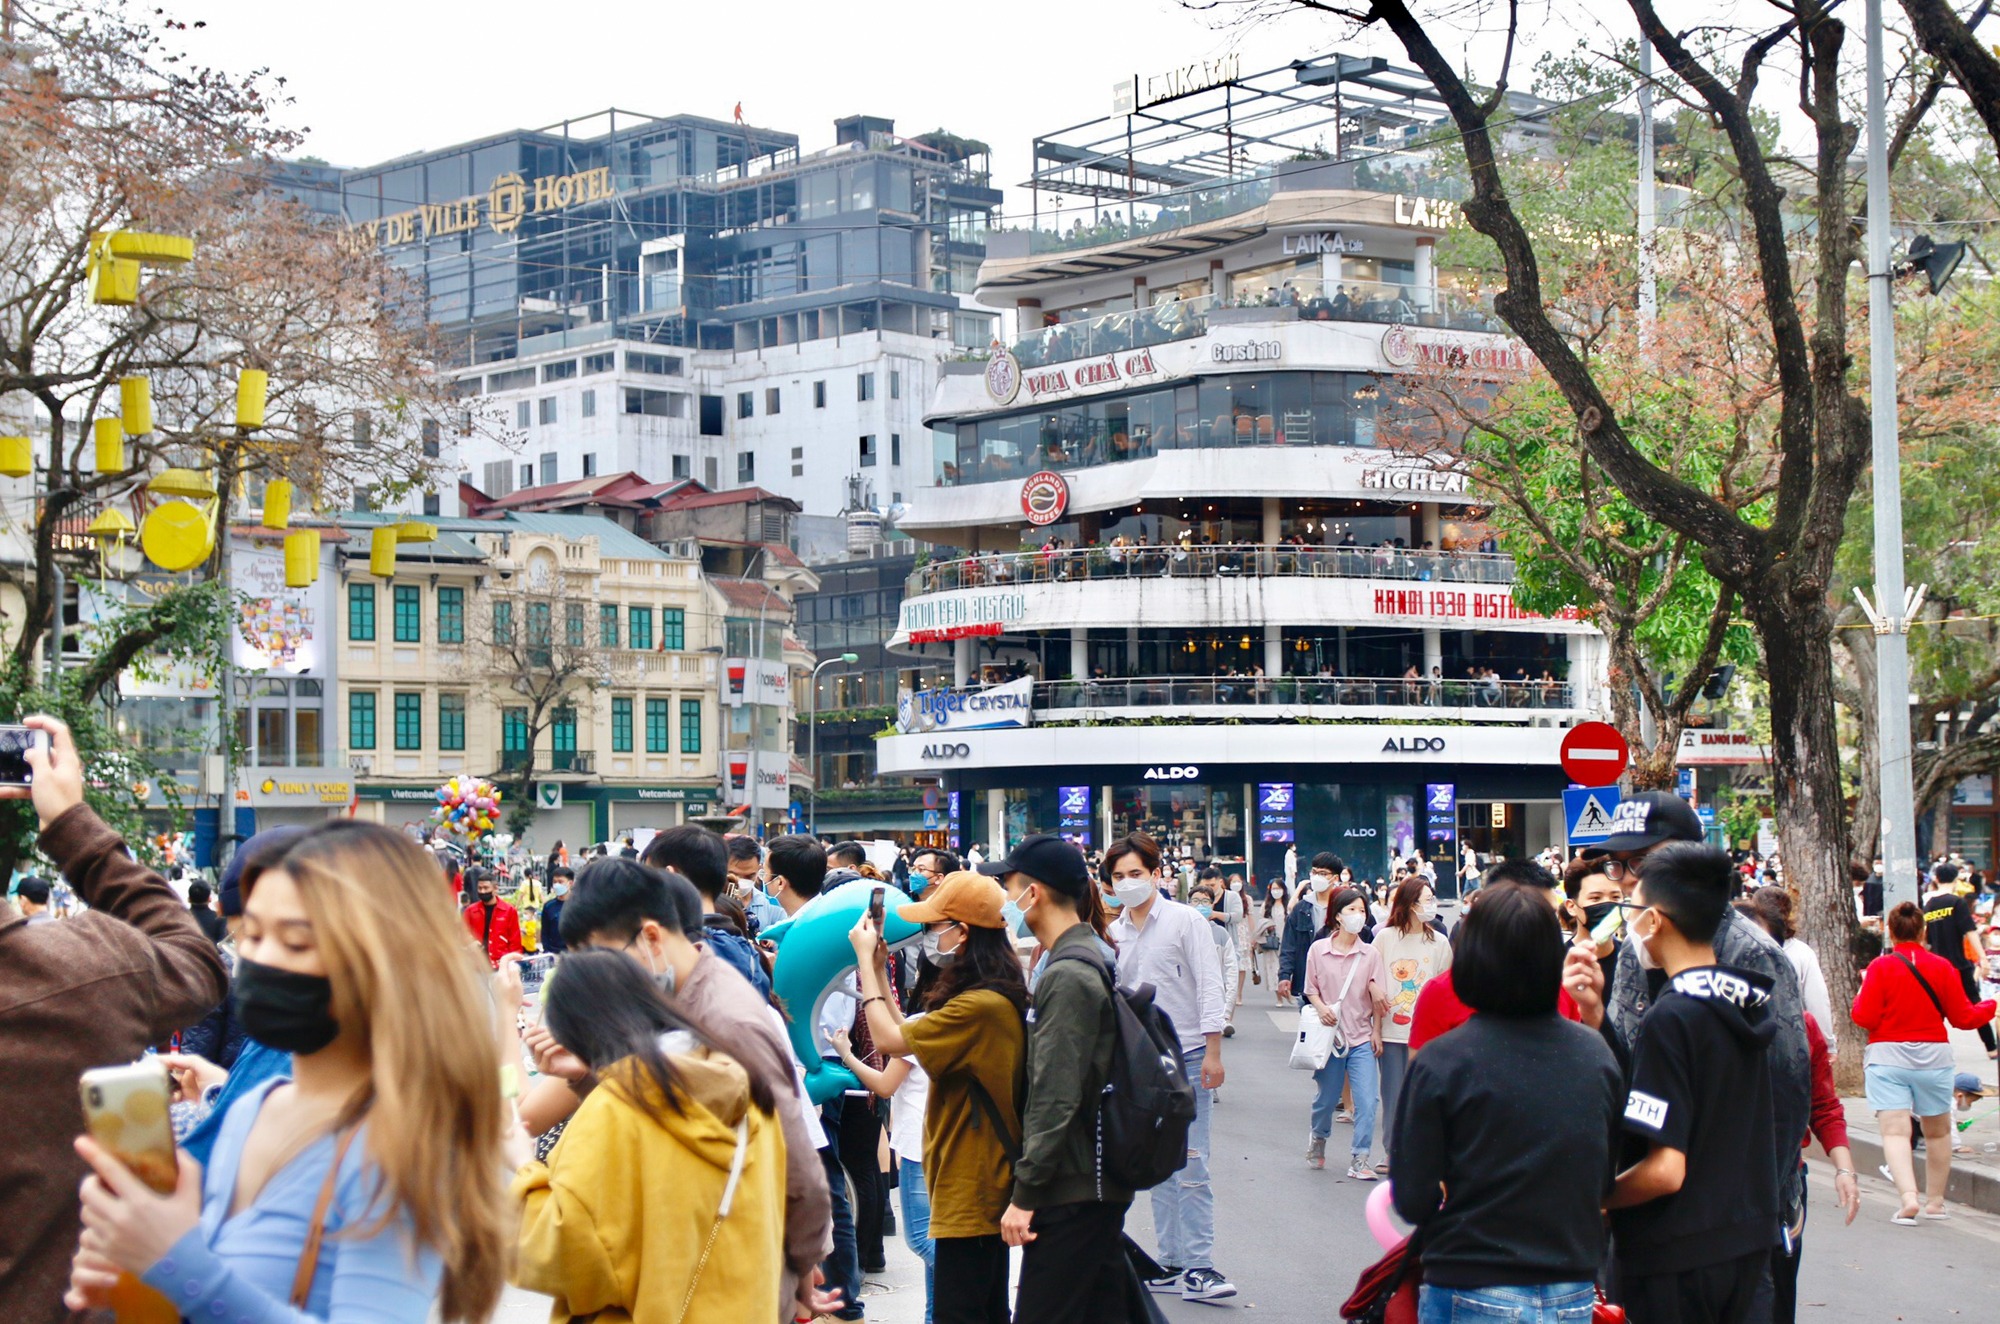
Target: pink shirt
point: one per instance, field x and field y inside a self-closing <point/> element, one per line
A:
<point x="1327" y="969"/>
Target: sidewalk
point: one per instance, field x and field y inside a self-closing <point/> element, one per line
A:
<point x="1975" y="1176"/>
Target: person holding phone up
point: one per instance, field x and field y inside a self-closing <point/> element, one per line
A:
<point x="92" y="991"/>
<point x="370" y="1177"/>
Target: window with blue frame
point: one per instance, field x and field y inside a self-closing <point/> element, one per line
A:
<point x="451" y="615"/>
<point x="360" y="719"/>
<point x="607" y="626"/>
<point x="621" y="726"/>
<point x="409" y="721"/>
<point x="361" y="613"/>
<point x="451" y="721"/>
<point x="503" y="622"/>
<point x="514" y="730"/>
<point x="690" y="726"/>
<point x="408" y="618"/>
<point x="673" y="629"/>
<point x="659" y="722"/>
<point x="639" y="628"/>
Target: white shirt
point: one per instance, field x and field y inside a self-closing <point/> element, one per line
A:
<point x="1812" y="987"/>
<point x="906" y="1109"/>
<point x="801" y="1100"/>
<point x="1175" y="953"/>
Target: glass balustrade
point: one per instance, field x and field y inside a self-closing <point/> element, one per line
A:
<point x="1202" y="561"/>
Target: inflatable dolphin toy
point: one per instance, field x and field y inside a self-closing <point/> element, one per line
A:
<point x="814" y="955"/>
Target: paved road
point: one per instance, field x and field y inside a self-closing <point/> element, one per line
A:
<point x="1293" y="1240"/>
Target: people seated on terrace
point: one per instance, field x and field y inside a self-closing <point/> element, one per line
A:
<point x="1413" y="685"/>
<point x="1288" y="297"/>
<point x="1343" y="304"/>
<point x="1489" y="687"/>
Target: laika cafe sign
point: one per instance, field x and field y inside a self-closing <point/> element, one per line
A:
<point x="1041" y="383"/>
<point x="506" y="200"/>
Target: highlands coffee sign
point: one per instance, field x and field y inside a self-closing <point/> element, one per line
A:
<point x="506" y="201"/>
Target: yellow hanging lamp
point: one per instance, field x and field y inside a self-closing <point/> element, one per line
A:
<point x="135" y="405"/>
<point x="17" y="456"/>
<point x="251" y="388"/>
<point x="177" y="535"/>
<point x="109" y="437"/>
<point x="302" y="558"/>
<point x="277" y="504"/>
<point x="189" y="484"/>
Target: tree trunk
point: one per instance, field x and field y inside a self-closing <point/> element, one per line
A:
<point x="1867" y="822"/>
<point x="1807" y="798"/>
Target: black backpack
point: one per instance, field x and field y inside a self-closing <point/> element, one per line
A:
<point x="1148" y="1103"/>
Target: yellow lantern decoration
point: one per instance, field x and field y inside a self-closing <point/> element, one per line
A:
<point x="176" y="536"/>
<point x="110" y="437"/>
<point x="302" y="558"/>
<point x="135" y="405"/>
<point x="189" y="484"/>
<point x="117" y="255"/>
<point x="17" y="456"/>
<point x="416" y="531"/>
<point x="278" y="505"/>
<point x="112" y="529"/>
<point x="382" y="552"/>
<point x="250" y="390"/>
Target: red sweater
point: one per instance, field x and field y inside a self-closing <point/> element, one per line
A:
<point x="1893" y="1009"/>
<point x="1438" y="1010"/>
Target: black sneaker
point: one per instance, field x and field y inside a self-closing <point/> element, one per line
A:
<point x="1168" y="1281"/>
<point x="1205" y="1285"/>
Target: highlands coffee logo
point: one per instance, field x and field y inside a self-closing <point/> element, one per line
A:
<point x="1414" y="745"/>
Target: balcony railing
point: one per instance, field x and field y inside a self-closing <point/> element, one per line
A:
<point x="1228" y="560"/>
<point x="562" y="760"/>
<point x="1314" y="300"/>
<point x="1057" y="698"/>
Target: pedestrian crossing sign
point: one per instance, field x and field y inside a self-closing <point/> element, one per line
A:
<point x="1588" y="811"/>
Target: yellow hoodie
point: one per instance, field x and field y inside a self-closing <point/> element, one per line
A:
<point x="616" y="1220"/>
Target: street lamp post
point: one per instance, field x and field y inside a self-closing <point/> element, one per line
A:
<point x="812" y="736"/>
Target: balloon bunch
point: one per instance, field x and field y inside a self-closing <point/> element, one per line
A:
<point x="467" y="807"/>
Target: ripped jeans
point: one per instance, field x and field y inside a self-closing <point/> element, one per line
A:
<point x="1184" y="1204"/>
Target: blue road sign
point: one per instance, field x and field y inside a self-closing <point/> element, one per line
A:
<point x="1588" y="809"/>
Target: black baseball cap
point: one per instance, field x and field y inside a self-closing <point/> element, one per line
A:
<point x="1046" y="858"/>
<point x="1649" y="818"/>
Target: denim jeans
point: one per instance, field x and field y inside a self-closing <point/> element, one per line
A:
<point x="1358" y="1066"/>
<point x="1184" y="1204"/>
<point x="843" y="1267"/>
<point x="1394" y="1062"/>
<point x="1548" y="1303"/>
<point x="917" y="1224"/>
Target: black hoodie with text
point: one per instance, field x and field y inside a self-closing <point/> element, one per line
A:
<point x="1700" y="1084"/>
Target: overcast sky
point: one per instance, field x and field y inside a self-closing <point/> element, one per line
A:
<point x="375" y="79"/>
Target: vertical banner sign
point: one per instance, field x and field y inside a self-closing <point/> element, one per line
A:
<point x="1441" y="815"/>
<point x="1276" y="802"/>
<point x="1073" y="814"/>
<point x="952" y="800"/>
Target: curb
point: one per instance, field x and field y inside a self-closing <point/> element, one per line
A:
<point x="1976" y="1187"/>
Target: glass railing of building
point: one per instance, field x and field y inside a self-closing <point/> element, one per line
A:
<point x="1069" y="229"/>
<point x="1308" y="298"/>
<point x="1204" y="561"/>
<point x="1055" y="697"/>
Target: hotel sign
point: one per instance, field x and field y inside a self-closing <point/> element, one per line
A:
<point x="506" y="200"/>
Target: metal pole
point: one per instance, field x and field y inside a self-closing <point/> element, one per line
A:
<point x="1649" y="299"/>
<point x="1892" y="654"/>
<point x="812" y="751"/>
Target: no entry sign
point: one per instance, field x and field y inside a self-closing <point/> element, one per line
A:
<point x="1594" y="754"/>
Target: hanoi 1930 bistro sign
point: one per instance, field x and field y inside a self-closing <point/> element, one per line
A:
<point x="945" y="611"/>
<point x="506" y="200"/>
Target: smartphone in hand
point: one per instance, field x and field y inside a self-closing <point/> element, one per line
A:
<point x="877" y="909"/>
<point x="125" y="1110"/>
<point x="15" y="742"/>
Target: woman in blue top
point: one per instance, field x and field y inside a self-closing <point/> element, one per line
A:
<point x="391" y="1118"/>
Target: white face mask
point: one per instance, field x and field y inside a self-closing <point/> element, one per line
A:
<point x="1133" y="891"/>
<point x="1321" y="884"/>
<point x="1426" y="911"/>
<point x="1236" y="886"/>
<point x="1647" y="961"/>
<point x="1352" y="922"/>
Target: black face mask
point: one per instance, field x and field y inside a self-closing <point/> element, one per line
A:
<point x="485" y="898"/>
<point x="282" y="1009"/>
<point x="1594" y="915"/>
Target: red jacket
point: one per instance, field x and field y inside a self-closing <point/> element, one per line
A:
<point x="1829" y="1119"/>
<point x="505" y="934"/>
<point x="1893" y="1009"/>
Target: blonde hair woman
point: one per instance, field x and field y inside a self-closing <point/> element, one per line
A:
<point x="386" y="1138"/>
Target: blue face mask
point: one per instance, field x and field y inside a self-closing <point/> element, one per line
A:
<point x="1111" y="902"/>
<point x="1203" y="909"/>
<point x="1016" y="922"/>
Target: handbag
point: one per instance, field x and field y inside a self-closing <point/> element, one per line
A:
<point x="1386" y="1291"/>
<point x="1317" y="1040"/>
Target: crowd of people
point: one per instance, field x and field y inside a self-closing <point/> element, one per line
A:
<point x="389" y="1108"/>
